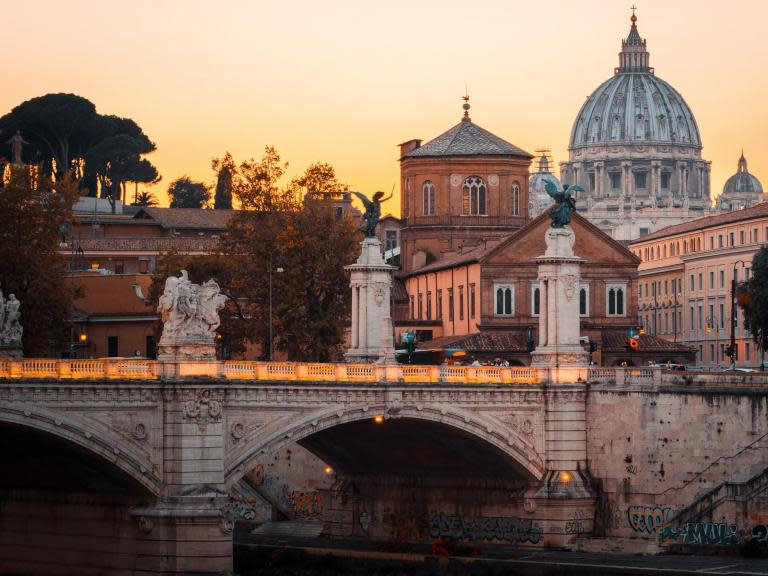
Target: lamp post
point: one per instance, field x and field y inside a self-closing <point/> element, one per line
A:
<point x="279" y="271"/>
<point x="733" y="313"/>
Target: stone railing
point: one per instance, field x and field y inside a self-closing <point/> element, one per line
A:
<point x="140" y="369"/>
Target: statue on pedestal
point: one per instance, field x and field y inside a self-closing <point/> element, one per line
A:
<point x="372" y="213"/>
<point x="190" y="314"/>
<point x="561" y="213"/>
<point x="10" y="326"/>
<point x="17" y="143"/>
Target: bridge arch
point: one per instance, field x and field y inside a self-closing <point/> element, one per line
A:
<point x="272" y="437"/>
<point x="109" y="448"/>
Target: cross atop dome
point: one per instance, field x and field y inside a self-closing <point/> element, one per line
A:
<point x="633" y="56"/>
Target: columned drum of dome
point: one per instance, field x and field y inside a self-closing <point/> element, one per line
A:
<point x="635" y="148"/>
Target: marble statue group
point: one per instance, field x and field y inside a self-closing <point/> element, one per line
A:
<point x="190" y="311"/>
<point x="10" y="327"/>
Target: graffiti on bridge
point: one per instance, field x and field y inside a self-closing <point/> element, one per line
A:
<point x="508" y="529"/>
<point x="306" y="503"/>
<point x="647" y="518"/>
<point x="577" y="523"/>
<point x="701" y="534"/>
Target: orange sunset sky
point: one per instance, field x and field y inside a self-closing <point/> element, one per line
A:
<point x="345" y="82"/>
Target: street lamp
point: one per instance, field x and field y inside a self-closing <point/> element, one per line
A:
<point x="279" y="271"/>
<point x="733" y="313"/>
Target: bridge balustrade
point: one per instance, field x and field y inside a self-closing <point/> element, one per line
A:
<point x="324" y="372"/>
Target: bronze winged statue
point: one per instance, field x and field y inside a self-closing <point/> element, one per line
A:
<point x="561" y="212"/>
<point x="372" y="213"/>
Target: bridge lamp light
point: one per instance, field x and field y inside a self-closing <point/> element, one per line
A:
<point x="379" y="419"/>
<point x="566" y="477"/>
<point x="83" y="337"/>
<point x="328" y="470"/>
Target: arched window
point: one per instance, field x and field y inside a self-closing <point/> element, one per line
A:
<point x="615" y="299"/>
<point x="474" y="196"/>
<point x="515" y="198"/>
<point x="536" y="299"/>
<point x="428" y="192"/>
<point x="584" y="300"/>
<point x="505" y="299"/>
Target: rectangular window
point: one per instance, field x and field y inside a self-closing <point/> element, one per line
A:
<point x="693" y="323"/>
<point x="644" y="232"/>
<point x="471" y="300"/>
<point x="722" y="315"/>
<point x="746" y="273"/>
<point x="591" y="181"/>
<point x="450" y="304"/>
<point x="731" y="239"/>
<point x="712" y="242"/>
<point x="119" y="268"/>
<point x="112" y="346"/>
<point x="722" y="278"/>
<point x="711" y="279"/>
<point x="701" y="317"/>
<point x="701" y="281"/>
<point x="615" y="181"/>
<point x="429" y="305"/>
<point x="754" y="235"/>
<point x="391" y="240"/>
<point x="712" y="352"/>
<point x="719" y="240"/>
<point x="742" y="237"/>
<point x="693" y="284"/>
<point x="150" y="344"/>
<point x="439" y="304"/>
<point x="640" y="178"/>
<point x="143" y="266"/>
<point x="746" y="351"/>
<point x="461" y="302"/>
<point x="615" y="299"/>
<point x="665" y="180"/>
<point x="535" y="299"/>
<point x="504" y="299"/>
<point x="420" y="307"/>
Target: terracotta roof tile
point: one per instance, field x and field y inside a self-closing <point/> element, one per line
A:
<point x="181" y="218"/>
<point x="467" y="139"/>
<point x="480" y="342"/>
<point x="615" y="341"/>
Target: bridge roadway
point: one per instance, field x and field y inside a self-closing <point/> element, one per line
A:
<point x="135" y="459"/>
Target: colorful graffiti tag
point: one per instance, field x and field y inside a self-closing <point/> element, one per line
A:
<point x="647" y="518"/>
<point x="508" y="529"/>
<point x="701" y="534"/>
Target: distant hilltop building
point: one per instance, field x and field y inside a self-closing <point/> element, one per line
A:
<point x="635" y="148"/>
<point x="742" y="190"/>
<point x="538" y="198"/>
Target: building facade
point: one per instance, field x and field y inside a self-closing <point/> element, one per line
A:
<point x="684" y="284"/>
<point x="635" y="149"/>
<point x="462" y="188"/>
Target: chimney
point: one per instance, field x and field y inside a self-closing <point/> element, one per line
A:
<point x="408" y="147"/>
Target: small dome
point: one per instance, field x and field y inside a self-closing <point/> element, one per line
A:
<point x="742" y="181"/>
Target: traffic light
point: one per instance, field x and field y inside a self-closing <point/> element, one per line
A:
<point x="732" y="351"/>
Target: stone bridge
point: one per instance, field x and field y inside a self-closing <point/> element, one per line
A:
<point x="131" y="463"/>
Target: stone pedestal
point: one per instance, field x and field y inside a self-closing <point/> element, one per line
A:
<point x="11" y="351"/>
<point x="559" y="322"/>
<point x="371" y="282"/>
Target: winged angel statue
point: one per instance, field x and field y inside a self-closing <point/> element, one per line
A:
<point x="561" y="212"/>
<point x="372" y="213"/>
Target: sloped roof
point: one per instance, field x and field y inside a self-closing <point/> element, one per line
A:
<point x="467" y="139"/>
<point x="758" y="211"/>
<point x="616" y="341"/>
<point x="187" y="218"/>
<point x="480" y="342"/>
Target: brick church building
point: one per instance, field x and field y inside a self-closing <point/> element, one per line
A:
<point x="468" y="249"/>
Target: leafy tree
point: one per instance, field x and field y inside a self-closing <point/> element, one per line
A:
<point x="320" y="179"/>
<point x="34" y="211"/>
<point x="145" y="199"/>
<point x="225" y="174"/>
<point x="67" y="134"/>
<point x="310" y="297"/>
<point x="186" y="193"/>
<point x="752" y="296"/>
<point x="257" y="186"/>
<point x="57" y="126"/>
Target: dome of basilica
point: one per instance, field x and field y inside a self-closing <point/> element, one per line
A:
<point x="635" y="105"/>
<point x="742" y="181"/>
